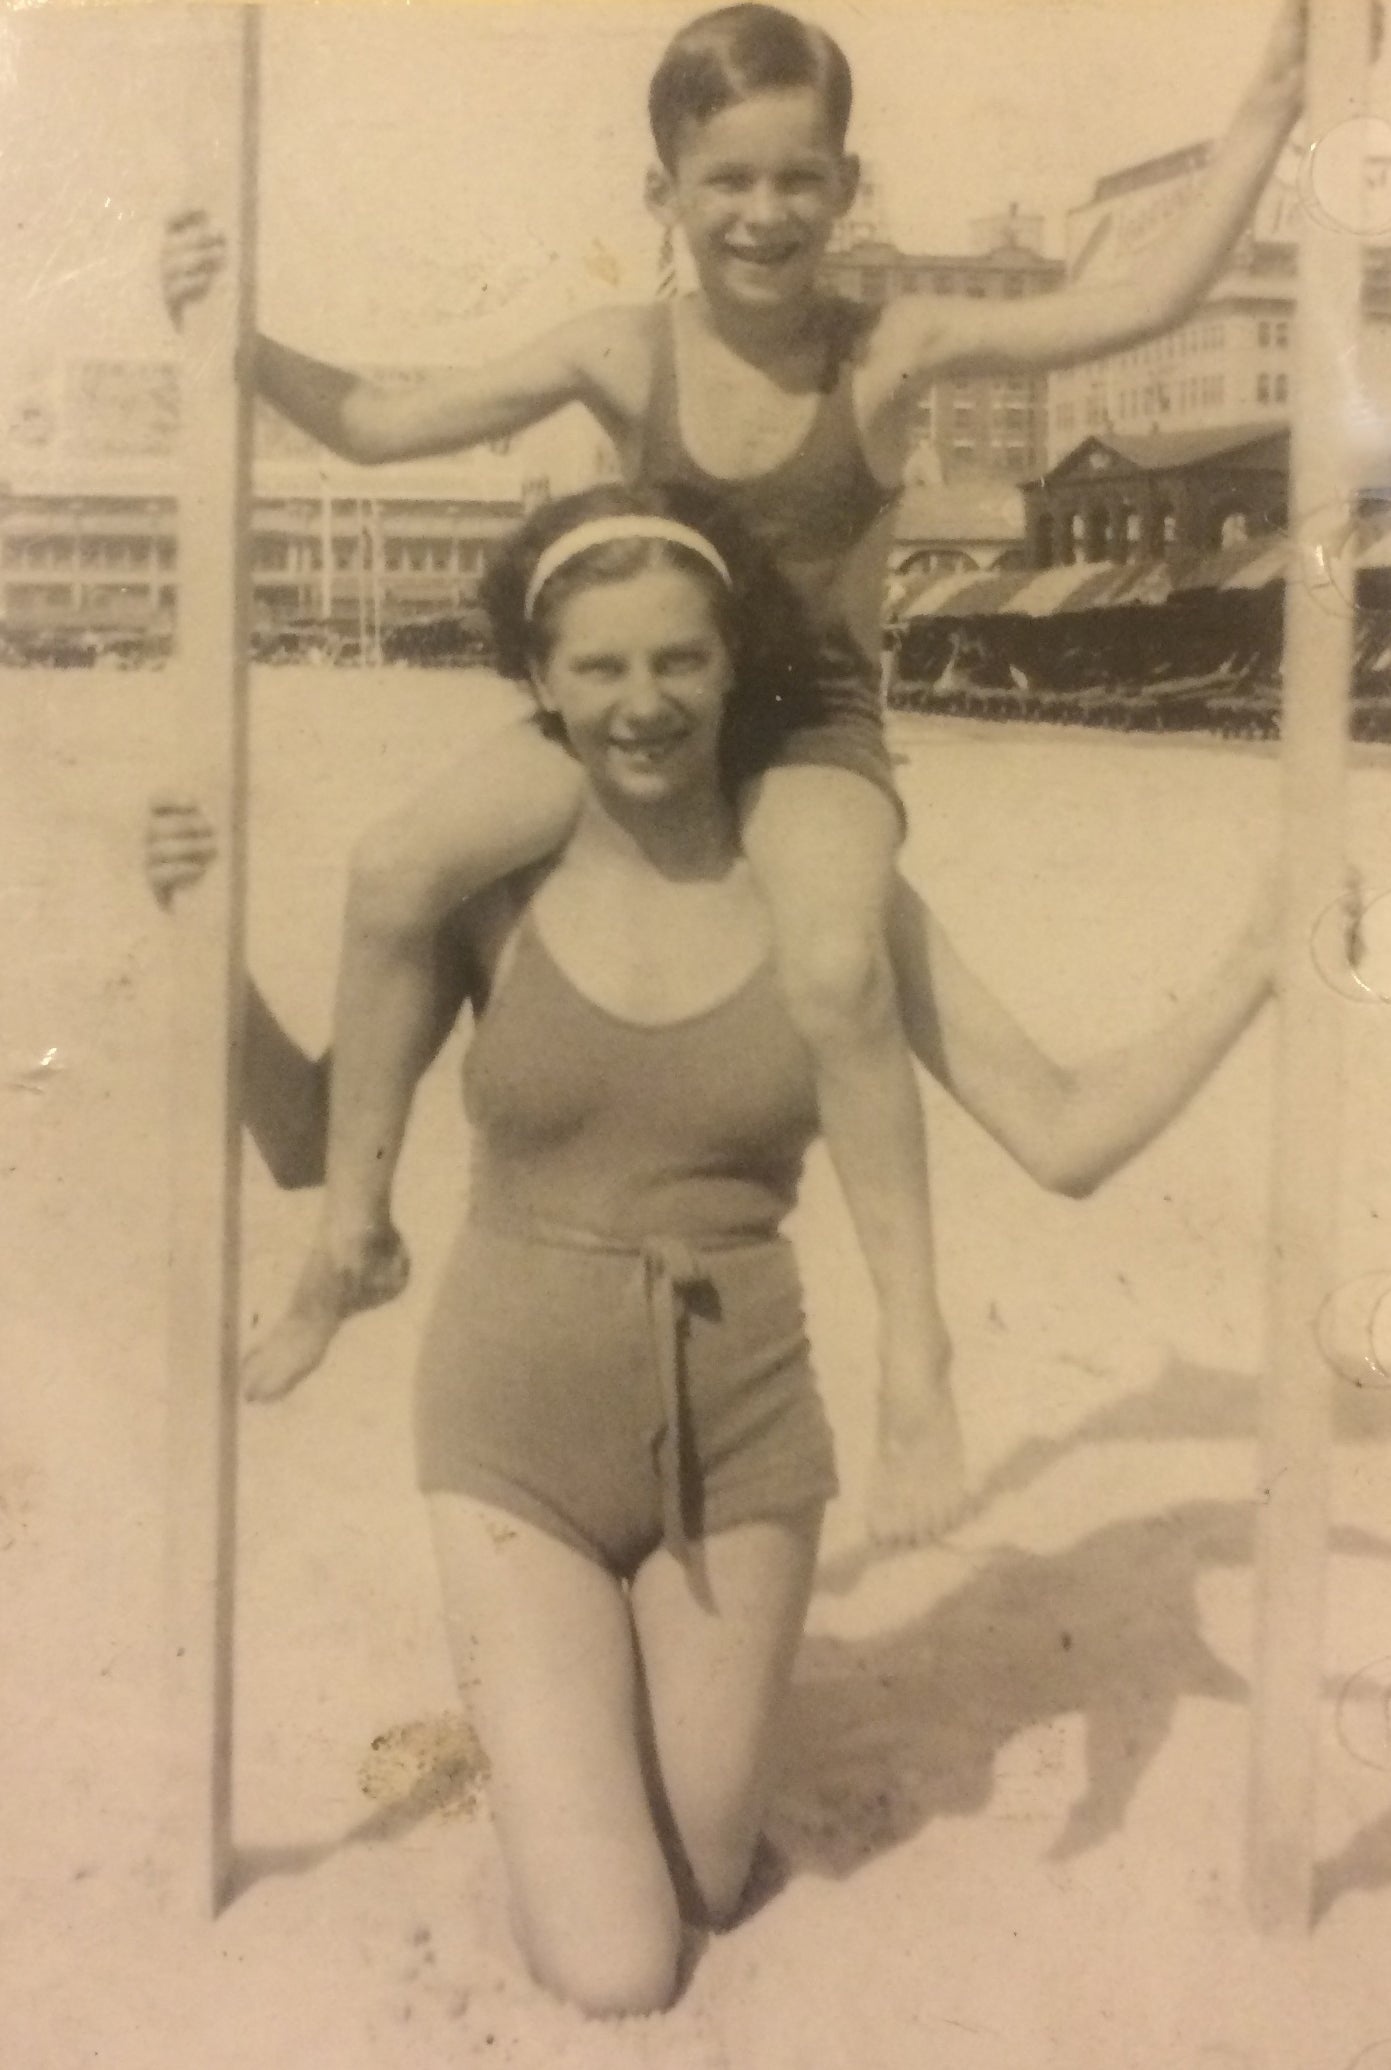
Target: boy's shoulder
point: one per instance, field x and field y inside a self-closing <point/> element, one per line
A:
<point x="909" y="340"/>
<point x="625" y="327"/>
<point x="614" y="349"/>
<point x="898" y="329"/>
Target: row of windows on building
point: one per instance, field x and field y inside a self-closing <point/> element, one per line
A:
<point x="1158" y="399"/>
<point x="880" y="283"/>
<point x="1001" y="411"/>
<point x="23" y="599"/>
<point x="1207" y="334"/>
<point x="278" y="556"/>
<point x="1202" y="392"/>
<point x="1014" y="387"/>
<point x="1014" y="458"/>
<point x="91" y="550"/>
<point x="40" y="551"/>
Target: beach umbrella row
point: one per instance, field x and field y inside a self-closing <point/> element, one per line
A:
<point x="1090" y="585"/>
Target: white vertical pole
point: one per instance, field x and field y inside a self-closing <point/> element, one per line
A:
<point x="360" y="509"/>
<point x="1293" y="1516"/>
<point x="326" y="559"/>
<point x="214" y="596"/>
<point x="374" y="549"/>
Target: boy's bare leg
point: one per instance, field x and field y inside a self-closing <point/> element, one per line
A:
<point x="511" y="804"/>
<point x="823" y="844"/>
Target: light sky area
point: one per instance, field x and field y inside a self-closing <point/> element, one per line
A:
<point x="436" y="173"/>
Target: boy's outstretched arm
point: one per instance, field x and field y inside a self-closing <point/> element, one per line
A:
<point x="1082" y="321"/>
<point x="371" y="421"/>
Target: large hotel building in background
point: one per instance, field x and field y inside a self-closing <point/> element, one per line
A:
<point x="1229" y="364"/>
<point x="89" y="514"/>
<point x="1177" y="448"/>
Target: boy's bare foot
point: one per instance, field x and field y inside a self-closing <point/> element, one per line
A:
<point x="331" y="1288"/>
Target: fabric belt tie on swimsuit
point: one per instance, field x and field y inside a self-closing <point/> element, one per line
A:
<point x="672" y="1270"/>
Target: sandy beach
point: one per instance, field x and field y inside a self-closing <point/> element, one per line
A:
<point x="1011" y="1802"/>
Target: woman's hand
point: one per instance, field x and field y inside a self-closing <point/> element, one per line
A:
<point x="191" y="257"/>
<point x="917" y="1484"/>
<point x="179" y="845"/>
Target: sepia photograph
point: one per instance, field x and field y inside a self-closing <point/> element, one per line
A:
<point x="695" y="815"/>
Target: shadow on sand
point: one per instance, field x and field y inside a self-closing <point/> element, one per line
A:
<point x="1186" y="1403"/>
<point x="887" y="1732"/>
<point x="433" y="1768"/>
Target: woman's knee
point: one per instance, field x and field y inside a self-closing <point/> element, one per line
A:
<point x="393" y="878"/>
<point x="837" y="978"/>
<point x="510" y="806"/>
<point x="610" y="1960"/>
<point x="720" y="1862"/>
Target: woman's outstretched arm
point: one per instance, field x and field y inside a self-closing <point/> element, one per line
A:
<point x="1069" y="1127"/>
<point x="284" y="1089"/>
<point x="284" y="1098"/>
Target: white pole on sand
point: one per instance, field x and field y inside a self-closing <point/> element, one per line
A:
<point x="326" y="558"/>
<point x="1293" y="1514"/>
<point x="214" y="586"/>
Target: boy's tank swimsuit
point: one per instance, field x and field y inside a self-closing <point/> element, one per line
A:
<point x="618" y="1353"/>
<point x="827" y="521"/>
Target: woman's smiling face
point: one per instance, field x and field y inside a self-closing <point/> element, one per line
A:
<point x="637" y="673"/>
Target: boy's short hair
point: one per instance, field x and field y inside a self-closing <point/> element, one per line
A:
<point x="727" y="56"/>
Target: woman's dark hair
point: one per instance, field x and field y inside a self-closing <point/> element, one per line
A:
<point x="759" y="613"/>
<point x="725" y="57"/>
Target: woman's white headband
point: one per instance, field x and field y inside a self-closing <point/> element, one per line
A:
<point x="601" y="531"/>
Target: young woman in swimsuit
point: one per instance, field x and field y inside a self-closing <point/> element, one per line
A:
<point x="617" y="1425"/>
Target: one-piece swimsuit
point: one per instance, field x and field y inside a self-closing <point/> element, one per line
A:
<point x="828" y="523"/>
<point x="618" y="1352"/>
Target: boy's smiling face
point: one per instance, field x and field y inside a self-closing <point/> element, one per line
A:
<point x="756" y="191"/>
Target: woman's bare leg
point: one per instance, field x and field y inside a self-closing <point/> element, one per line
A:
<point x="510" y="804"/>
<point x="716" y="1662"/>
<point x="543" y="1648"/>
